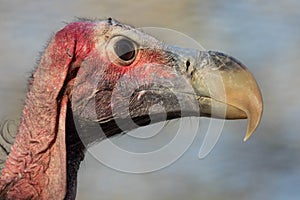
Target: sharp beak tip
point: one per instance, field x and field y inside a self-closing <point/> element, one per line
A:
<point x="253" y="121"/>
<point x="247" y="136"/>
<point x="242" y="91"/>
<point x="249" y="133"/>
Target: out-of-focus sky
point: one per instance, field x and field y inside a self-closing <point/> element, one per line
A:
<point x="264" y="35"/>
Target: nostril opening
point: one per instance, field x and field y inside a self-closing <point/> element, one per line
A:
<point x="187" y="64"/>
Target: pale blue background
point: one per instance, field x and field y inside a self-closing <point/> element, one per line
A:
<point x="265" y="35"/>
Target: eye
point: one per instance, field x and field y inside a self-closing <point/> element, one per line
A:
<point x="121" y="50"/>
<point x="125" y="49"/>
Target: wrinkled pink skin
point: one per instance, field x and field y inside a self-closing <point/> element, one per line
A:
<point x="36" y="166"/>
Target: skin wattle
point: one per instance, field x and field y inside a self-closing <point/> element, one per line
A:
<point x="81" y="79"/>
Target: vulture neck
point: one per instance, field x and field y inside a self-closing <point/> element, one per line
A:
<point x="32" y="171"/>
<point x="47" y="151"/>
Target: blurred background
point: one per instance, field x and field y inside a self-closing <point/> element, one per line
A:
<point x="264" y="35"/>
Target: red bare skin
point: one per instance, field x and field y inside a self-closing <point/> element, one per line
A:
<point x="76" y="79"/>
<point x="36" y="166"/>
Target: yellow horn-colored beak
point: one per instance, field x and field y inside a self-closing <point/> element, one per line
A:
<point x="226" y="89"/>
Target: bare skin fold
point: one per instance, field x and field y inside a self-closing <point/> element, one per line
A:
<point x="85" y="74"/>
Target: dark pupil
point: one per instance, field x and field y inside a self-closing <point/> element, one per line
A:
<point x="124" y="49"/>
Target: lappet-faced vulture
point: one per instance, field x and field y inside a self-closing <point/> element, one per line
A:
<point x="79" y="76"/>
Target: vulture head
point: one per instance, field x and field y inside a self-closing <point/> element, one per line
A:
<point x="110" y="75"/>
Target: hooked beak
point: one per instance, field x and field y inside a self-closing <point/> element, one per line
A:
<point x="188" y="80"/>
<point x="224" y="87"/>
